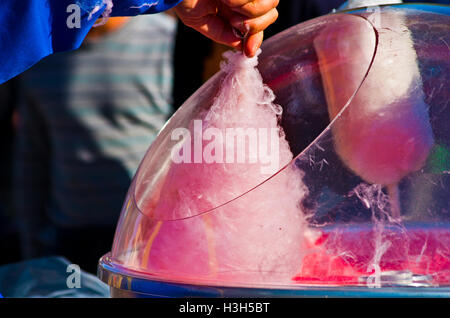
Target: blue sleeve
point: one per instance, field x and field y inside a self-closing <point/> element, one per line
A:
<point x="32" y="29"/>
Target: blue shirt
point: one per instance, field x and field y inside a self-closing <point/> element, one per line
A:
<point x="33" y="29"/>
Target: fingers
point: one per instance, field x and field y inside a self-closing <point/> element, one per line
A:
<point x="216" y="20"/>
<point x="251" y="9"/>
<point x="253" y="43"/>
<point x="252" y="18"/>
<point x="254" y="25"/>
<point x="203" y="17"/>
<point x="213" y="27"/>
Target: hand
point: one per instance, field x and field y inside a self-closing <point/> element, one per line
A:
<point x="217" y="18"/>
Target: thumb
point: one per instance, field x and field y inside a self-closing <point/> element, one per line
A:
<point x="253" y="43"/>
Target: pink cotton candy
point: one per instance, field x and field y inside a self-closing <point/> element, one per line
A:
<point x="243" y="103"/>
<point x="258" y="237"/>
<point x="385" y="134"/>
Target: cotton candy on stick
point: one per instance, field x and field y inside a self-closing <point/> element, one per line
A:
<point x="385" y="133"/>
<point x="257" y="237"/>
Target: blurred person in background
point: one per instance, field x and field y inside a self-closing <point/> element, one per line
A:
<point x="86" y="119"/>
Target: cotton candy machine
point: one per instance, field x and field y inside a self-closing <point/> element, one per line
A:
<point x="353" y="195"/>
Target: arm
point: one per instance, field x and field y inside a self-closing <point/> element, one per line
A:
<point x="33" y="29"/>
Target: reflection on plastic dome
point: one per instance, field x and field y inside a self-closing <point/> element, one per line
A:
<point x="360" y="193"/>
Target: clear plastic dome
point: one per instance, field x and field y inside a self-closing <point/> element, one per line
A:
<point x="365" y="199"/>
